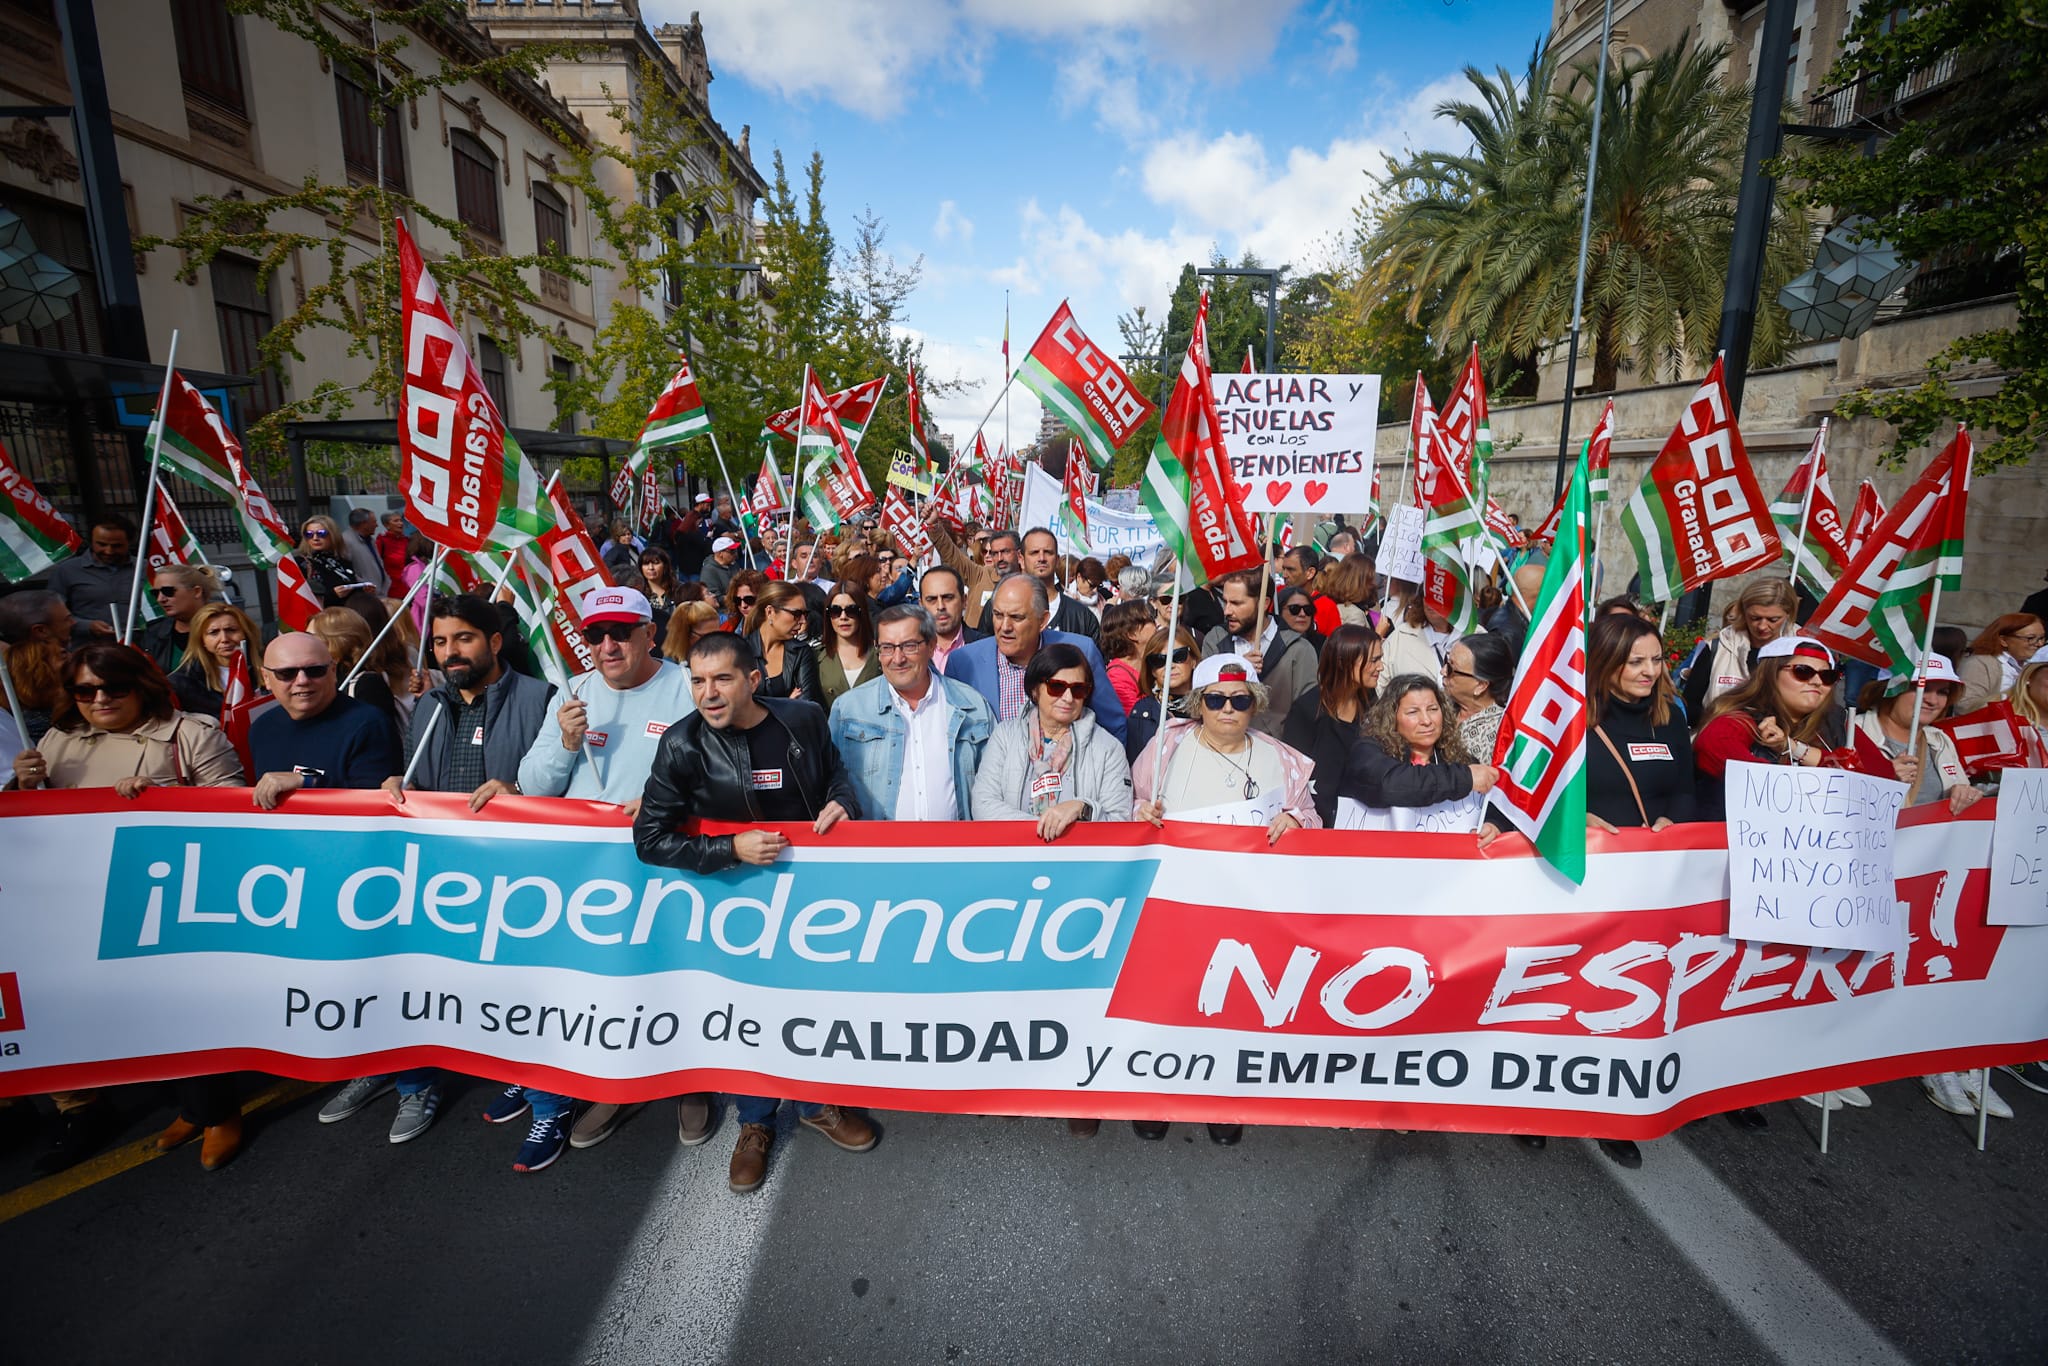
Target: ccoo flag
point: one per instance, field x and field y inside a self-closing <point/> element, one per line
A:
<point x="1188" y="489"/>
<point x="33" y="535"/>
<point x="1085" y="387"/>
<point x="1805" y="510"/>
<point x="1541" y="750"/>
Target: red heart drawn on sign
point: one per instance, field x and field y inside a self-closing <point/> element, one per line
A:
<point x="1243" y="491"/>
<point x="1314" y="489"/>
<point x="1277" y="489"/>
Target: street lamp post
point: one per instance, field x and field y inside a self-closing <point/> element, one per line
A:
<point x="1271" y="275"/>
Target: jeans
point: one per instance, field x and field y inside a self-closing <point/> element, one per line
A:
<point x="761" y="1109"/>
<point x="549" y="1104"/>
<point x="417" y="1080"/>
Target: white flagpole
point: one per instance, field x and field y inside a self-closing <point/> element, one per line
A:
<point x="404" y="605"/>
<point x="733" y="491"/>
<point x="1006" y="361"/>
<point x="13" y="698"/>
<point x="419" y="746"/>
<point x="1933" y="615"/>
<point x="146" y="522"/>
<point x="419" y="663"/>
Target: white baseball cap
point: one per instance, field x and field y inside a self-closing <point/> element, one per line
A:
<point x="701" y="498"/>
<point x="616" y="604"/>
<point x="724" y="543"/>
<point x="1784" y="647"/>
<point x="1224" y="669"/>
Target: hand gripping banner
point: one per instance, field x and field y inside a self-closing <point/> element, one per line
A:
<point x="1341" y="978"/>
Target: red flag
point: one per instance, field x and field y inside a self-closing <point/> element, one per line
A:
<point x="1987" y="738"/>
<point x="1074" y="486"/>
<point x="1863" y="518"/>
<point x="1547" y="533"/>
<point x="1811" y="524"/>
<point x="853" y="406"/>
<point x="1464" y="422"/>
<point x="1224" y="537"/>
<point x="650" y="499"/>
<point x="170" y="540"/>
<point x="1248" y="368"/>
<point x="297" y="604"/>
<point x="451" y="438"/>
<point x="571" y="557"/>
<point x="1498" y="523"/>
<point x="830" y="482"/>
<point x="768" y="487"/>
<point x="902" y="523"/>
<point x="241" y="703"/>
<point x="623" y="492"/>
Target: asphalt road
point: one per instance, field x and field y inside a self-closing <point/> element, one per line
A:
<point x="1005" y="1240"/>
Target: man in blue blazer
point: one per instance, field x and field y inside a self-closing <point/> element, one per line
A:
<point x="995" y="667"/>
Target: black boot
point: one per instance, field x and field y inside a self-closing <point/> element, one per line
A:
<point x="1149" y="1129"/>
<point x="1625" y="1153"/>
<point x="1535" y="1143"/>
<point x="1225" y="1135"/>
<point x="1748" y="1117"/>
<point x="80" y="1134"/>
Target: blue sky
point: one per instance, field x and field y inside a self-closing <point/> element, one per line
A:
<point x="1085" y="149"/>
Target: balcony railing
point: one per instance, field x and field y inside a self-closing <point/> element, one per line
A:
<point x="1863" y="99"/>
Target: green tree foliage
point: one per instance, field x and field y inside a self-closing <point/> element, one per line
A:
<point x="1963" y="185"/>
<point x="412" y="52"/>
<point x="1484" y="242"/>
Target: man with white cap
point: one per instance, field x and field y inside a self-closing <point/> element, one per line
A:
<point x="597" y="746"/>
<point x="718" y="571"/>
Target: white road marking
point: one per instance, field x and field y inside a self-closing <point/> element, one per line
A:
<point x="1793" y="1310"/>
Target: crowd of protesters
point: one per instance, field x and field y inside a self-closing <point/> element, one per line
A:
<point x="814" y="679"/>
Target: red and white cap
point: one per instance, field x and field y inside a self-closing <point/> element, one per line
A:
<point x="723" y="544"/>
<point x="701" y="498"/>
<point x="616" y="604"/>
<point x="1224" y="669"/>
<point x="1802" y="647"/>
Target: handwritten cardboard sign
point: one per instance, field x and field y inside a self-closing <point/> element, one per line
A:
<point x="1400" y="554"/>
<point x="1300" y="443"/>
<point x="1810" y="857"/>
<point x="2019" y="850"/>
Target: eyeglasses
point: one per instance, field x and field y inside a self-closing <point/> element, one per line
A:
<point x="906" y="647"/>
<point x="1158" y="657"/>
<point x="1806" y="673"/>
<point x="1236" y="701"/>
<point x="1060" y="687"/>
<point x="289" y="673"/>
<point x="745" y="600"/>
<point x="597" y="632"/>
<point x="1449" y="672"/>
<point x="2027" y="637"/>
<point x="843" y="609"/>
<point x="314" y="533"/>
<point x="85" y="692"/>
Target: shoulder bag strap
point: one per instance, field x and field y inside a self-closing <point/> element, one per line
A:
<point x="1633" y="790"/>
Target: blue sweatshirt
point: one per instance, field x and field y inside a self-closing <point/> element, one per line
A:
<point x="351" y="744"/>
<point x="625" y="728"/>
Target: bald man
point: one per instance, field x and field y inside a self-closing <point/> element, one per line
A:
<point x="315" y="737"/>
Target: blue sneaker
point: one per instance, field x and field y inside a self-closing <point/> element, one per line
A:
<point x="508" y="1105"/>
<point x="544" y="1143"/>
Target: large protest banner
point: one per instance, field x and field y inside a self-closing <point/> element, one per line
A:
<point x="1189" y="973"/>
<point x="1300" y="443"/>
<point x="1109" y="532"/>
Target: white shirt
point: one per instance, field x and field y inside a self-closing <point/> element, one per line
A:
<point x="1240" y="644"/>
<point x="924" y="790"/>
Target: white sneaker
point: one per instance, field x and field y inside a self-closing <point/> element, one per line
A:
<point x="1994" y="1104"/>
<point x="1945" y="1089"/>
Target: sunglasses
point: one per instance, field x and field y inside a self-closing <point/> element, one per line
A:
<point x="785" y="607"/>
<point x="1806" y="673"/>
<point x="315" y="534"/>
<point x="600" y="631"/>
<point x="289" y="673"/>
<point x="1158" y="657"/>
<point x="1236" y="701"/>
<point x="1299" y="609"/>
<point x="843" y="609"/>
<point x="165" y="590"/>
<point x="745" y="600"/>
<point x="85" y="692"/>
<point x="1060" y="687"/>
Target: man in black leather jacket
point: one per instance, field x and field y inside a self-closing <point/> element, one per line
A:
<point x="739" y="757"/>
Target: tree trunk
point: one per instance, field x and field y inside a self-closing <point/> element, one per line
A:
<point x="1606" y="356"/>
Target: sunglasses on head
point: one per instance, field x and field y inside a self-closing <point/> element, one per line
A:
<point x="599" y="631"/>
<point x="289" y="673"/>
<point x="85" y="692"/>
<point x="1236" y="701"/>
<point x="1158" y="657"/>
<point x="843" y="609"/>
<point x="1806" y="673"/>
<point x="1060" y="687"/>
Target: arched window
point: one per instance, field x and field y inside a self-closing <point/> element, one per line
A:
<point x="667" y="200"/>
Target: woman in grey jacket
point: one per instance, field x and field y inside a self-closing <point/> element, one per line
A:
<point x="1052" y="763"/>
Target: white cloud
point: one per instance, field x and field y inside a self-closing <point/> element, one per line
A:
<point x="978" y="363"/>
<point x="1343" y="53"/>
<point x="951" y="224"/>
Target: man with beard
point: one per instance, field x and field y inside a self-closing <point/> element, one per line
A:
<point x="99" y="580"/>
<point x="36" y="627"/>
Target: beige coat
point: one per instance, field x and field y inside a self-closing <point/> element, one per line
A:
<point x="1983" y="681"/>
<point x="183" y="751"/>
<point x="1406" y="651"/>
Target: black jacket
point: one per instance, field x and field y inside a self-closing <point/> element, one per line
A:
<point x="799" y="670"/>
<point x="515" y="708"/>
<point x="161" y="641"/>
<point x="1327" y="742"/>
<point x="703" y="773"/>
<point x="1377" y="778"/>
<point x="1075" y="619"/>
<point x="1660" y="762"/>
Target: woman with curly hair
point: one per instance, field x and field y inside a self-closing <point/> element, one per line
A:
<point x="740" y="598"/>
<point x="1412" y="770"/>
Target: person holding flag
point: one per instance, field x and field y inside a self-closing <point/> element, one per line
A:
<point x="219" y="633"/>
<point x="1924" y="755"/>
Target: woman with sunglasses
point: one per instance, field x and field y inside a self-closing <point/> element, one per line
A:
<point x="1933" y="769"/>
<point x="220" y="631"/>
<point x="179" y="590"/>
<point x="1479" y="671"/>
<point x="117" y="725"/>
<point x="774" y="630"/>
<point x="849" y="657"/>
<point x="325" y="563"/>
<point x="1996" y="657"/>
<point x="1412" y="771"/>
<point x="1177" y="666"/>
<point x="1125" y="628"/>
<point x="1052" y="763"/>
<point x="740" y="598"/>
<point x="1327" y="721"/>
<point x="1783" y="713"/>
<point x="1296" y="608"/>
<point x="1216" y="769"/>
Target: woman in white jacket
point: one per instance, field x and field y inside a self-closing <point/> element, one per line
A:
<point x="1933" y="771"/>
<point x="1052" y="763"/>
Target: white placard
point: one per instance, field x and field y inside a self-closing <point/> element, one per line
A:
<point x="1810" y="857"/>
<point x="1109" y="532"/>
<point x="1300" y="443"/>
<point x="1400" y="554"/>
<point x="2019" y="850"/>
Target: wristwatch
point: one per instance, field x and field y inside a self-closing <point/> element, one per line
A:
<point x="1087" y="811"/>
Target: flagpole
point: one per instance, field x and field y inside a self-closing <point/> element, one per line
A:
<point x="1564" y="422"/>
<point x="1166" y="674"/>
<point x="419" y="664"/>
<point x="733" y="492"/>
<point x="13" y="698"/>
<point x="145" y="522"/>
<point x="1265" y="577"/>
<point x="1933" y="614"/>
<point x="1499" y="546"/>
<point x="419" y="745"/>
<point x="1006" y="365"/>
<point x="404" y="605"/>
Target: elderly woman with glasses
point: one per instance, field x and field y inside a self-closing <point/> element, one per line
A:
<point x="1996" y="657"/>
<point x="1215" y="769"/>
<point x="324" y="562"/>
<point x="1052" y="763"/>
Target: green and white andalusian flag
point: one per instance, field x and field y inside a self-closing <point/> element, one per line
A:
<point x="33" y="535"/>
<point x="1452" y="521"/>
<point x="1165" y="495"/>
<point x="1541" y="749"/>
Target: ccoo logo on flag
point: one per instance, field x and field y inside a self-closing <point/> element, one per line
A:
<point x="10" y="1003"/>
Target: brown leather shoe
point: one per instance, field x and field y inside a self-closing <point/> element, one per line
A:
<point x="750" y="1158"/>
<point x="221" y="1144"/>
<point x="181" y="1132"/>
<point x="696" y="1117"/>
<point x="847" y="1128"/>
<point x="1083" y="1128"/>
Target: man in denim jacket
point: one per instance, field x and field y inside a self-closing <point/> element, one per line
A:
<point x="911" y="739"/>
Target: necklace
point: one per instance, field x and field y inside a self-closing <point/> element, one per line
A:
<point x="1251" y="784"/>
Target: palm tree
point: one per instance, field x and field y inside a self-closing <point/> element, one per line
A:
<point x="1492" y="233"/>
